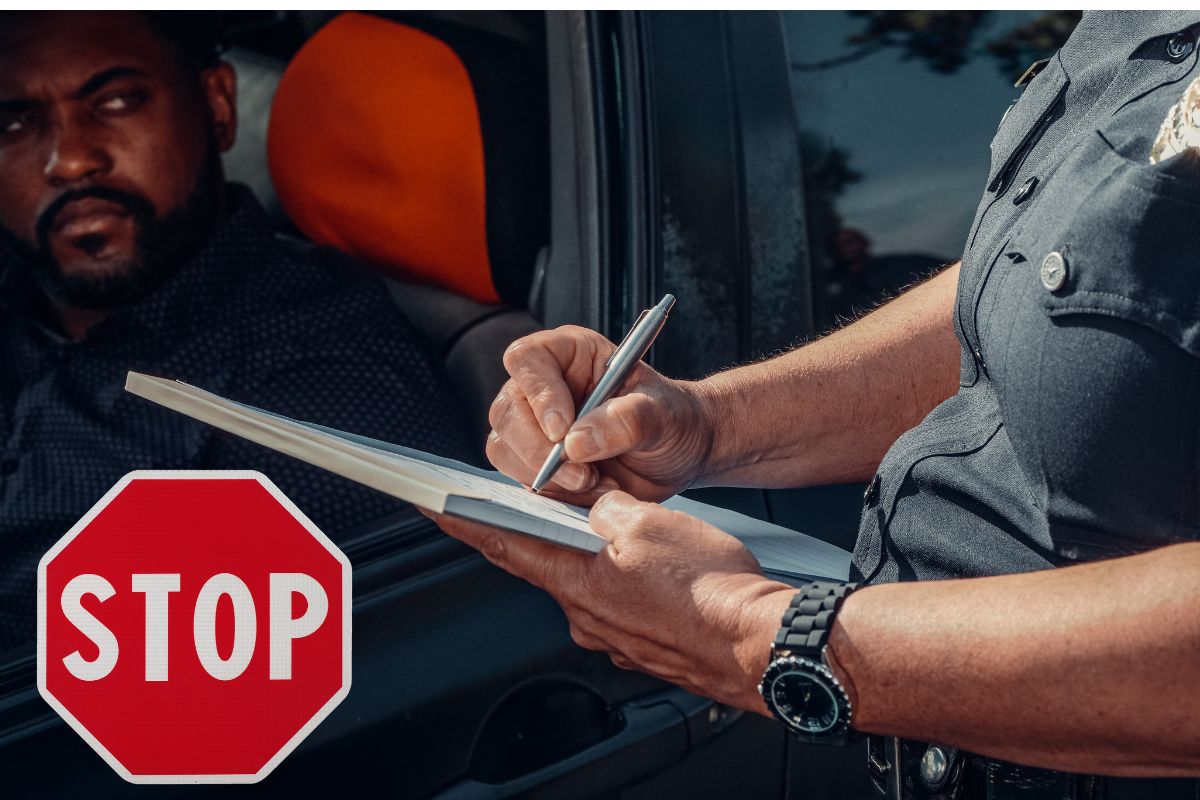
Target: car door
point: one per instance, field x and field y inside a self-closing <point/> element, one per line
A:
<point x="466" y="683"/>
<point x="712" y="209"/>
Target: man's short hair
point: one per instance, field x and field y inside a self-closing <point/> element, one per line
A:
<point x="195" y="35"/>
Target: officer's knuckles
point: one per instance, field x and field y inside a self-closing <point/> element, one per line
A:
<point x="517" y="353"/>
<point x="583" y="638"/>
<point x="622" y="662"/>
<point x="626" y="520"/>
<point x="501" y="402"/>
<point x="505" y="459"/>
<point x="613" y="511"/>
<point x="584" y="340"/>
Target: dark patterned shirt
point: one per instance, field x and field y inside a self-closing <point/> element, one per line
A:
<point x="302" y="332"/>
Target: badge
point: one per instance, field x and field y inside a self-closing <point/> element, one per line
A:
<point x="1181" y="129"/>
<point x="1031" y="72"/>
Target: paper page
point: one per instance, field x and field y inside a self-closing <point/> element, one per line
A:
<point x="473" y="482"/>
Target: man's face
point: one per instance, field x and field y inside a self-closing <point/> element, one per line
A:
<point x="108" y="151"/>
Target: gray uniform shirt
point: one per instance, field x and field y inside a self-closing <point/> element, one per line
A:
<point x="1075" y="432"/>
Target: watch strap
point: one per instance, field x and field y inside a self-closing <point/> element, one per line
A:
<point x="807" y="621"/>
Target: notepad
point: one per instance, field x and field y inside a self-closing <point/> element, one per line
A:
<point x="451" y="487"/>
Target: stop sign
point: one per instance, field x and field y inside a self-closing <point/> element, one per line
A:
<point x="194" y="627"/>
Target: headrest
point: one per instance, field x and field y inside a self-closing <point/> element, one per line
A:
<point x="375" y="147"/>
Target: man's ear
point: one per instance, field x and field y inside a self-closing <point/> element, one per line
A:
<point x="219" y="85"/>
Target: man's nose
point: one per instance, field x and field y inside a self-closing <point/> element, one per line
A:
<point x="75" y="155"/>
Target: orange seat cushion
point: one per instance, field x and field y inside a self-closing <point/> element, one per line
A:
<point x="375" y="148"/>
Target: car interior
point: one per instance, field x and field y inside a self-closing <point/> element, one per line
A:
<point x="419" y="146"/>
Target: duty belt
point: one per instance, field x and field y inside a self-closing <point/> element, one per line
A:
<point x="905" y="770"/>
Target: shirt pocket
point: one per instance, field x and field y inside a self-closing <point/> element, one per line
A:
<point x="1105" y="411"/>
<point x="1128" y="242"/>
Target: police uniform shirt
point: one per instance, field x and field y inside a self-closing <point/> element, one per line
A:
<point x="303" y="332"/>
<point x="1075" y="432"/>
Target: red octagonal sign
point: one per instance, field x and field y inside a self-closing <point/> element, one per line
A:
<point x="194" y="627"/>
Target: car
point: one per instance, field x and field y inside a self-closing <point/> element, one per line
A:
<point x="698" y="153"/>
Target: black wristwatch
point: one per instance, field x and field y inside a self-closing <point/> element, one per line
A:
<point x="798" y="685"/>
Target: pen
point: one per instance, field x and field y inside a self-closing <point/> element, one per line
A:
<point x="618" y="367"/>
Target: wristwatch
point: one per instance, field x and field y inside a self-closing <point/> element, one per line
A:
<point x="798" y="685"/>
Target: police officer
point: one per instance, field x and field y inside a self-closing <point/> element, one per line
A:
<point x="1035" y="407"/>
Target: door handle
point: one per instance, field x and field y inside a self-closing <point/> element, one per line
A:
<point x="659" y="730"/>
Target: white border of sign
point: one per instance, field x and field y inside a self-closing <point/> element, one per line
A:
<point x="347" y="616"/>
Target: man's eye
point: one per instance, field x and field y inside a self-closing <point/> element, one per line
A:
<point x="121" y="103"/>
<point x="13" y="124"/>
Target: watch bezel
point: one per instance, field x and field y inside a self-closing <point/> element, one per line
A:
<point x="784" y="664"/>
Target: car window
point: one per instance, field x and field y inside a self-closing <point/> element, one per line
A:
<point x="896" y="111"/>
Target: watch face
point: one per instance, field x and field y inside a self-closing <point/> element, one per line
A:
<point x="803" y="698"/>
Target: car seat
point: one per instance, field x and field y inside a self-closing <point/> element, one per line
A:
<point x="422" y="155"/>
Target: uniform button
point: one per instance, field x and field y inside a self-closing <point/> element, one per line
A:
<point x="1180" y="46"/>
<point x="872" y="492"/>
<point x="1026" y="189"/>
<point x="8" y="466"/>
<point x="1054" y="271"/>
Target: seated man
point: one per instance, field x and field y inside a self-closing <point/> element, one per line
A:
<point x="122" y="248"/>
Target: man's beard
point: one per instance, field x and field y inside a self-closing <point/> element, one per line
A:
<point x="164" y="244"/>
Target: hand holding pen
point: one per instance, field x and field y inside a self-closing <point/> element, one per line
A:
<point x="618" y="368"/>
<point x="651" y="437"/>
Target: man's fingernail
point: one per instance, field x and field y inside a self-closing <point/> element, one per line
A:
<point x="571" y="476"/>
<point x="583" y="442"/>
<point x="556" y="425"/>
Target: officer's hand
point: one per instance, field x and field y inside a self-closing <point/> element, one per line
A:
<point x="671" y="595"/>
<point x="651" y="439"/>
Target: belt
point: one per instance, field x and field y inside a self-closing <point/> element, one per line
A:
<point x="905" y="770"/>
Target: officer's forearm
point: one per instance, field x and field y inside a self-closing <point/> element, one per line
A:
<point x="827" y="412"/>
<point x="1089" y="668"/>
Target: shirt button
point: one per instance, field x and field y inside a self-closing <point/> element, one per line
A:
<point x="872" y="492"/>
<point x="1026" y="189"/>
<point x="1054" y="271"/>
<point x="1180" y="46"/>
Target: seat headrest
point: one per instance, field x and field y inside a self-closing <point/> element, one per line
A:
<point x="375" y="147"/>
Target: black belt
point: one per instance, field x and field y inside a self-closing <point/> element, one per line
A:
<point x="931" y="772"/>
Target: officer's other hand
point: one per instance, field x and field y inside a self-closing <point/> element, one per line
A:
<point x="671" y="595"/>
<point x="651" y="439"/>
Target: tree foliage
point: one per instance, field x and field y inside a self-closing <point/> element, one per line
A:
<point x="946" y="40"/>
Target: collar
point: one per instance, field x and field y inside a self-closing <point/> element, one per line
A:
<point x="1102" y="33"/>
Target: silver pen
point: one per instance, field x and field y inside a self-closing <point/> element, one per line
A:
<point x="617" y="369"/>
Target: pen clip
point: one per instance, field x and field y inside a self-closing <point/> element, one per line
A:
<point x="632" y="328"/>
